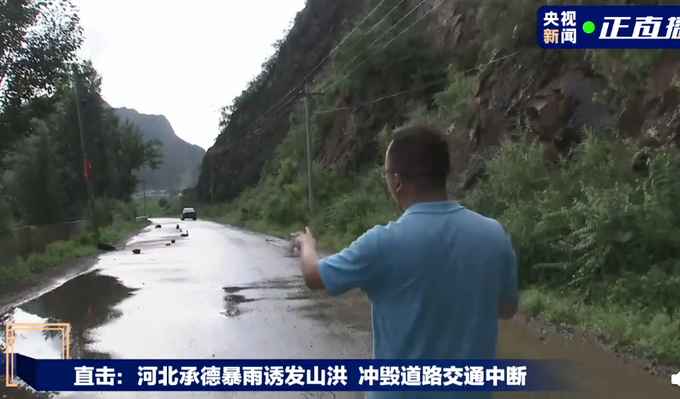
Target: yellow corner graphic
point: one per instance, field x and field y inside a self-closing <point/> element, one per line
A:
<point x="10" y="328"/>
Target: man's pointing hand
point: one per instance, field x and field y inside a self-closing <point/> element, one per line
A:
<point x="304" y="239"/>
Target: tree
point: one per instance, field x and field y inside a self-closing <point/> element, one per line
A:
<point x="38" y="41"/>
<point x="47" y="166"/>
<point x="5" y="214"/>
<point x="114" y="150"/>
<point x="38" y="168"/>
<point x="132" y="154"/>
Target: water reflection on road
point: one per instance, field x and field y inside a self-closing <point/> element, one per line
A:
<point x="225" y="293"/>
<point x="85" y="302"/>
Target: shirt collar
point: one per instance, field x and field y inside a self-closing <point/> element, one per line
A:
<point x="434" y="207"/>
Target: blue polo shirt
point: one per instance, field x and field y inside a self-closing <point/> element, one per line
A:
<point x="435" y="278"/>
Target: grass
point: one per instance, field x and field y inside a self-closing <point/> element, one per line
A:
<point x="653" y="338"/>
<point x="60" y="252"/>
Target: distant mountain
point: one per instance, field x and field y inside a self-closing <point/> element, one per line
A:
<point x="181" y="160"/>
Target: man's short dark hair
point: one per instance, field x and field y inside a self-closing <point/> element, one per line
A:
<point x="420" y="154"/>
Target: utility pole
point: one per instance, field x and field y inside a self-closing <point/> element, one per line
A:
<point x="309" y="150"/>
<point x="212" y="181"/>
<point x="144" y="196"/>
<point x="86" y="161"/>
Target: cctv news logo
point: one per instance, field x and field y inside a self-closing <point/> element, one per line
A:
<point x="13" y="329"/>
<point x="608" y="27"/>
<point x="675" y="379"/>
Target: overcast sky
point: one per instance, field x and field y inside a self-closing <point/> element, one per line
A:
<point x="181" y="59"/>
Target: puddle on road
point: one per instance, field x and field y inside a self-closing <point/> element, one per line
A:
<point x="232" y="302"/>
<point x="33" y="343"/>
<point x="317" y="306"/>
<point x="236" y="299"/>
<point x="85" y="302"/>
<point x="289" y="289"/>
<point x="271" y="284"/>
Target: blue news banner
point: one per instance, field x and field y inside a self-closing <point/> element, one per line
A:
<point x="608" y="27"/>
<point x="289" y="375"/>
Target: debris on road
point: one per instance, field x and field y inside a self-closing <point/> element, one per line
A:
<point x="185" y="234"/>
<point x="102" y="246"/>
<point x="136" y="251"/>
<point x="172" y="241"/>
<point x="177" y="227"/>
<point x="158" y="226"/>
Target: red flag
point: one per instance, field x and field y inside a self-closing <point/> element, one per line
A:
<point x="87" y="168"/>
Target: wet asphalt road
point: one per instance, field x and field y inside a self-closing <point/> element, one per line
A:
<point x="226" y="293"/>
<point x="219" y="293"/>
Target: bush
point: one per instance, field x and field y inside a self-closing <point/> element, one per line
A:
<point x="109" y="208"/>
<point x="6" y="220"/>
<point x="593" y="226"/>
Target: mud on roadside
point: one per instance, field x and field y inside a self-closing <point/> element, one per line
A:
<point x="544" y="329"/>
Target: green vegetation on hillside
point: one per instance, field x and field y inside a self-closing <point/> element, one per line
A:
<point x="594" y="232"/>
<point x="41" y="159"/>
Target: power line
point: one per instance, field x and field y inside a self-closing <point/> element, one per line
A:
<point x="381" y="36"/>
<point x="382" y="98"/>
<point x="344" y="40"/>
<point x="299" y="85"/>
<point x="268" y="122"/>
<point x="400" y="33"/>
<point x="418" y="88"/>
<point x="386" y="32"/>
<point x="493" y="61"/>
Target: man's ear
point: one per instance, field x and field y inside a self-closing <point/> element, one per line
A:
<point x="398" y="183"/>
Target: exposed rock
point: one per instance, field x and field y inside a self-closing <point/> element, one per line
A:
<point x="102" y="246"/>
<point x="239" y="157"/>
<point x="558" y="94"/>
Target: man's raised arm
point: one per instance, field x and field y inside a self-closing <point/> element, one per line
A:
<point x="353" y="267"/>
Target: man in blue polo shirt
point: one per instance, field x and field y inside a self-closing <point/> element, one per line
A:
<point x="438" y="278"/>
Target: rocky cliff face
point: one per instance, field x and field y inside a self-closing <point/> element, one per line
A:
<point x="556" y="93"/>
<point x="240" y="152"/>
